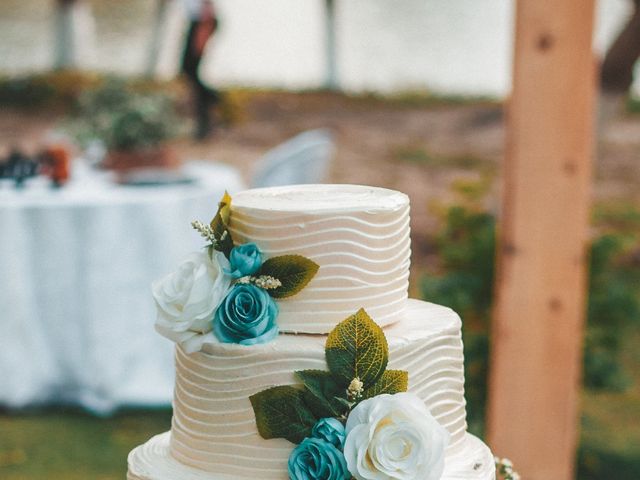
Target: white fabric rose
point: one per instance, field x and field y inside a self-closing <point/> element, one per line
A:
<point x="394" y="437"/>
<point x="187" y="299"/>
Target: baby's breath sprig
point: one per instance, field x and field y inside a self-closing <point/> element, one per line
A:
<point x="504" y="467"/>
<point x="355" y="389"/>
<point x="266" y="282"/>
<point x="205" y="231"/>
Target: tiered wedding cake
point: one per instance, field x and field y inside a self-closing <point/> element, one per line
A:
<point x="236" y="415"/>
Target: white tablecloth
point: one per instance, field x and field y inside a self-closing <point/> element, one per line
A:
<point x="76" y="264"/>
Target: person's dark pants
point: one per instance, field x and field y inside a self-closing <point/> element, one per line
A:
<point x="204" y="96"/>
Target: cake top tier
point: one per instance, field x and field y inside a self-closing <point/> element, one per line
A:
<point x="358" y="235"/>
<point x="323" y="198"/>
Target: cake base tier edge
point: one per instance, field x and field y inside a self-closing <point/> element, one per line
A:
<point x="152" y="461"/>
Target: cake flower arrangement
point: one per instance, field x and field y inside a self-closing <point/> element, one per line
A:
<point x="227" y="289"/>
<point x="355" y="420"/>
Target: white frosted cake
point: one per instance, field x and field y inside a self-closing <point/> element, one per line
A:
<point x="281" y="368"/>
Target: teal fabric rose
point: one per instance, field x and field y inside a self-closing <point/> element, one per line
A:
<point x="246" y="316"/>
<point x="330" y="430"/>
<point x="245" y="260"/>
<point x="317" y="459"/>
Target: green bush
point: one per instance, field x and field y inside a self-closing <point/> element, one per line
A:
<point x="58" y="89"/>
<point x="466" y="246"/>
<point x="597" y="463"/>
<point x="24" y="92"/>
<point x="612" y="309"/>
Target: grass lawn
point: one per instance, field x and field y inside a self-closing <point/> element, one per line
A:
<point x="611" y="426"/>
<point x="72" y="445"/>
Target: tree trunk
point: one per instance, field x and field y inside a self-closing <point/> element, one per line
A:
<point x="65" y="54"/>
<point x="331" y="81"/>
<point x="617" y="67"/>
<point x="157" y="35"/>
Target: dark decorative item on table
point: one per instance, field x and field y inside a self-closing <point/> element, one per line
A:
<point x="229" y="290"/>
<point x="53" y="162"/>
<point x="355" y="420"/>
<point x="19" y="167"/>
<point x="56" y="163"/>
<point x="134" y="127"/>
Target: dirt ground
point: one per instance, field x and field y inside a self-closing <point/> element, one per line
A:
<point x="416" y="146"/>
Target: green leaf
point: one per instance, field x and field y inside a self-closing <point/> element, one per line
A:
<point x="322" y="393"/>
<point x="281" y="413"/>
<point x="358" y="348"/>
<point x="293" y="271"/>
<point x="391" y="381"/>
<point x="224" y="208"/>
<point x="219" y="226"/>
<point x="346" y="404"/>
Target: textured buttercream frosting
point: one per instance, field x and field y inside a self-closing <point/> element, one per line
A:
<point x="359" y="236"/>
<point x="153" y="461"/>
<point x="214" y="425"/>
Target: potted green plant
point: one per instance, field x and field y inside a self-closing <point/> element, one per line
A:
<point x="134" y="127"/>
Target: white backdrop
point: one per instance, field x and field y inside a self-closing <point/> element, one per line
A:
<point x="458" y="47"/>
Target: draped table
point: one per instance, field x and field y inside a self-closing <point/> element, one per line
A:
<point x="76" y="265"/>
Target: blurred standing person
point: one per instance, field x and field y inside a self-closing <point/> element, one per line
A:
<point x="202" y="26"/>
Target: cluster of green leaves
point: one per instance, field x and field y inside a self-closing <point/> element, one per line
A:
<point x="125" y="119"/>
<point x="613" y="309"/>
<point x="633" y="105"/>
<point x="355" y="349"/>
<point x="61" y="89"/>
<point x="220" y="227"/>
<point x="466" y="248"/>
<point x="293" y="271"/>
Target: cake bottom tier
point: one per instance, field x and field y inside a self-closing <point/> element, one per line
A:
<point x="153" y="461"/>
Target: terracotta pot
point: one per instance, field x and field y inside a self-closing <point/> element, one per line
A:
<point x="154" y="157"/>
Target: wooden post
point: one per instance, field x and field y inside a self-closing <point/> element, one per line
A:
<point x="331" y="81"/>
<point x="65" y="48"/>
<point x="157" y="34"/>
<point x="542" y="261"/>
<point x="74" y="35"/>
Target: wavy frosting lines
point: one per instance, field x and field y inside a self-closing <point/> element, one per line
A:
<point x="214" y="425"/>
<point x="363" y="253"/>
<point x="153" y="461"/>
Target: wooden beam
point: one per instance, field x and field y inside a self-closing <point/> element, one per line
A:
<point x="158" y="31"/>
<point x="65" y="54"/>
<point x="74" y="35"/>
<point x="331" y="81"/>
<point x="540" y="300"/>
